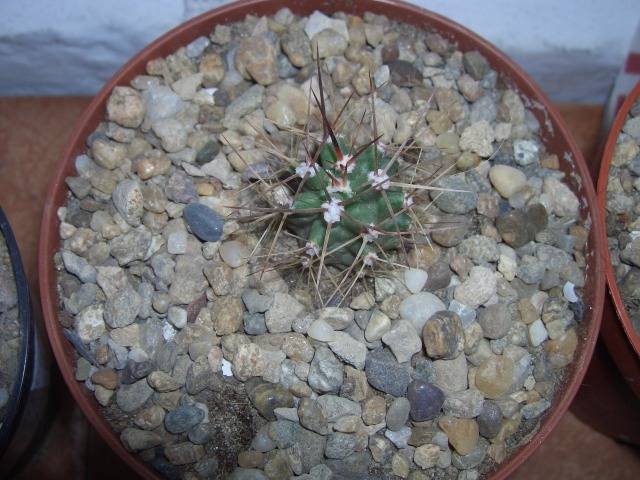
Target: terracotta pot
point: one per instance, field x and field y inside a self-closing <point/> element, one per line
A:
<point x="622" y="341"/>
<point x="556" y="138"/>
<point x="28" y="398"/>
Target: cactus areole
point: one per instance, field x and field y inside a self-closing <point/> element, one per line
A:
<point x="346" y="204"/>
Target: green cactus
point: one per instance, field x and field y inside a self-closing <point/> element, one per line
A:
<point x="354" y="196"/>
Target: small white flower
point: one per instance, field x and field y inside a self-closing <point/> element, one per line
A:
<point x="381" y="146"/>
<point x="408" y="200"/>
<point x="369" y="258"/>
<point x="311" y="249"/>
<point x="306" y="169"/>
<point x="379" y="179"/>
<point x="332" y="210"/>
<point x="282" y="197"/>
<point x="371" y="235"/>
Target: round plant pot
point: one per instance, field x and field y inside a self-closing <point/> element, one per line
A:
<point x="555" y="136"/>
<point x="618" y="334"/>
<point x="29" y="395"/>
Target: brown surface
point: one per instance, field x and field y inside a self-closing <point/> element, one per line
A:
<point x="32" y="135"/>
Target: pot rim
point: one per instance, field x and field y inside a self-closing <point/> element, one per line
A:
<point x="603" y="179"/>
<point x="22" y="382"/>
<point x="394" y="9"/>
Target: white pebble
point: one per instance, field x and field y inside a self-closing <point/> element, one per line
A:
<point x="168" y="332"/>
<point x="569" y="292"/>
<point x="415" y="279"/>
<point x="226" y="368"/>
<point x="537" y="333"/>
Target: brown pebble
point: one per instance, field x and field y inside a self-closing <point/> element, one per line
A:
<point x="463" y="433"/>
<point x="105" y="377"/>
<point x="560" y="352"/>
<point x="551" y="162"/>
<point x="250" y="459"/>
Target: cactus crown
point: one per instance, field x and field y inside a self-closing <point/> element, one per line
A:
<point x="347" y="201"/>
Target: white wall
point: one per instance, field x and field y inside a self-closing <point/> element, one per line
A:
<point x="573" y="48"/>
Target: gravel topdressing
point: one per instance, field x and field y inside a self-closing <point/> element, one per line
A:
<point x="623" y="219"/>
<point x="9" y="328"/>
<point x="436" y="364"/>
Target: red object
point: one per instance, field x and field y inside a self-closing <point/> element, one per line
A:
<point x="555" y="137"/>
<point x="618" y="334"/>
<point x="633" y="64"/>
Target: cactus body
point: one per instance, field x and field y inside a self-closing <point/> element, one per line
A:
<point x="364" y="211"/>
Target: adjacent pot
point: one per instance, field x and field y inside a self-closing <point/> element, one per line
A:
<point x="622" y="342"/>
<point x="555" y="137"/>
<point x="24" y="416"/>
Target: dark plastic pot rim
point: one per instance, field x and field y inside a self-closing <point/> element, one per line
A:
<point x="557" y="139"/>
<point x="22" y="382"/>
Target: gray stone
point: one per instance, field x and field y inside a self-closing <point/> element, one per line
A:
<point x="386" y="374"/>
<point x="131" y="246"/>
<point x="495" y="320"/>
<point x="79" y="267"/>
<point x="254" y="324"/>
<point x="205" y="223"/>
<point x="123" y="308"/>
<point x="340" y="445"/>
<point x="451" y="375"/>
<point x="475" y="64"/>
<point x="480" y="249"/>
<point x="490" y="419"/>
<point x="349" y="349"/>
<point x="132" y="397"/>
<point x="463" y="200"/>
<point x="419" y="307"/>
<point x="127" y="198"/>
<point x="335" y="407"/>
<point x="326" y="371"/>
<point x="283" y="311"/>
<point x="136" y="440"/>
<point x="473" y="459"/>
<point x="247" y="474"/>
<point x="400" y="437"/>
<point x="398" y="413"/>
<point x="312" y="416"/>
<point x="425" y="400"/>
<point x="183" y="419"/>
<point x="256" y="302"/>
<point x="403" y="340"/>
<point x="464" y="404"/>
